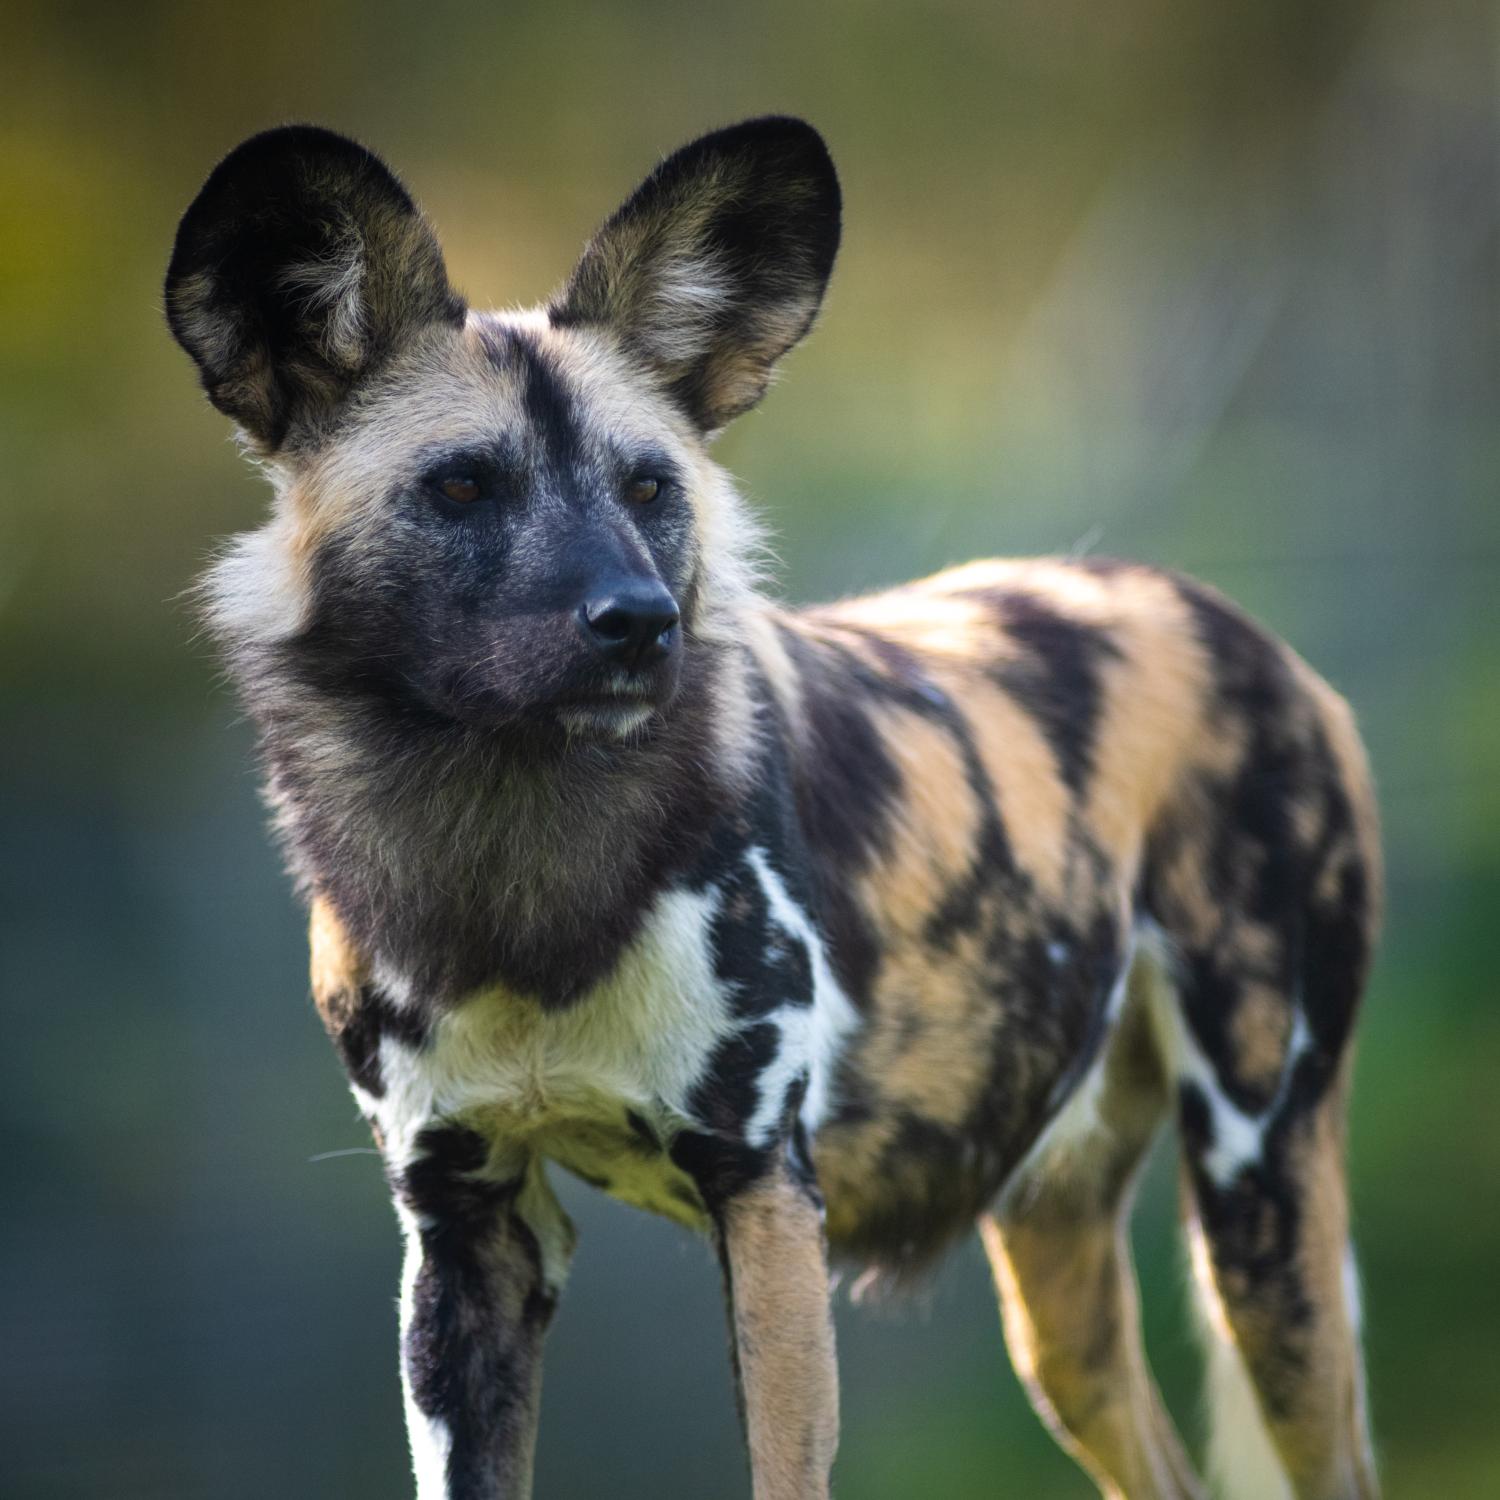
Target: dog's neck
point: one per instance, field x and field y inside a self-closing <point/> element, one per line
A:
<point x="459" y="858"/>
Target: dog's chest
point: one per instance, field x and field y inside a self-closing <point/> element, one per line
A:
<point x="721" y="1018"/>
<point x="601" y="1087"/>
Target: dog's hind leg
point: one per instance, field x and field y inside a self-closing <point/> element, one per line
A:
<point x="1269" y="919"/>
<point x="1267" y="1212"/>
<point x="1262" y="877"/>
<point x="1058" y="1244"/>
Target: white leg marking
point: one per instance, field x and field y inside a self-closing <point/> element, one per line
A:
<point x="1354" y="1307"/>
<point x="1242" y="1460"/>
<point x="1239" y="1137"/>
<point x="428" y="1437"/>
<point x="1353" y="1303"/>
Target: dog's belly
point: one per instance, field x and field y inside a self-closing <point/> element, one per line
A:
<point x="955" y="1072"/>
<point x="618" y="1154"/>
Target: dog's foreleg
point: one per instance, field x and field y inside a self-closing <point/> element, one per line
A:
<point x="487" y="1247"/>
<point x="771" y="1241"/>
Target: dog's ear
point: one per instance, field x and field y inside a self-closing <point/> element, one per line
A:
<point x="300" y="265"/>
<point x="715" y="266"/>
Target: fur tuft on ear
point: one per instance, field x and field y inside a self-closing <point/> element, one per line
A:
<point x="716" y="265"/>
<point x="301" y="264"/>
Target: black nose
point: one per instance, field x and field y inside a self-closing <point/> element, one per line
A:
<point x="631" y="624"/>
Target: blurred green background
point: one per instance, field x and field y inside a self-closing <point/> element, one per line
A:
<point x="1211" y="284"/>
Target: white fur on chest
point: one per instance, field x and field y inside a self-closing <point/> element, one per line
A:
<point x="639" y="1041"/>
<point x="564" y="1083"/>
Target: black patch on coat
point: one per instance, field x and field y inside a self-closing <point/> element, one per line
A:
<point x="764" y="967"/>
<point x="728" y="1094"/>
<point x="1340" y="930"/>
<point x="1336" y="955"/>
<point x="1255" y="1223"/>
<point x="1053" y="1019"/>
<point x="1252" y="1228"/>
<point x="846" y="783"/>
<point x="819" y="810"/>
<point x="720" y="1168"/>
<point x="444" y="1184"/>
<point x="358" y="1038"/>
<point x="1252" y="808"/>
<point x="763" y="964"/>
<point x="799" y="1154"/>
<point x="845" y="787"/>
<point x="1195" y="1121"/>
<point x="1058" y="679"/>
<point x="959" y="910"/>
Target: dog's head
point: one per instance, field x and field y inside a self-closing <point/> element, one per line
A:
<point x="501" y="519"/>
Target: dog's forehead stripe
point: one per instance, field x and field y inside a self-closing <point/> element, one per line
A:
<point x="551" y="406"/>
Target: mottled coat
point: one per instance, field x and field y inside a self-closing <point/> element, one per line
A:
<point x="843" y="928"/>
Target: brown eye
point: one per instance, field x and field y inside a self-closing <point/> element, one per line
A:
<point x="461" y="489"/>
<point x="642" y="491"/>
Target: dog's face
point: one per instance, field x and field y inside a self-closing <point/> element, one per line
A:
<point x="503" y="520"/>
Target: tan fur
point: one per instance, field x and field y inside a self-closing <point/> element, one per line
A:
<point x="1033" y="800"/>
<point x="934" y="838"/>
<point x="773" y="1250"/>
<point x="921" y="1053"/>
<point x="1260" y="1029"/>
<point x="338" y="974"/>
<point x="337" y="971"/>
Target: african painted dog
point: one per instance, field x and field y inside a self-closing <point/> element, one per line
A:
<point x="850" y="926"/>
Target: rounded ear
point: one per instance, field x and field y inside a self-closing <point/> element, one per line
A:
<point x="301" y="264"/>
<point x="716" y="265"/>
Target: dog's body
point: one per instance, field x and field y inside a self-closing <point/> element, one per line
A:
<point x="922" y="908"/>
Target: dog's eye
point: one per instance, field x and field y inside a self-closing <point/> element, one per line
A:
<point x="460" y="488"/>
<point x="642" y="491"/>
